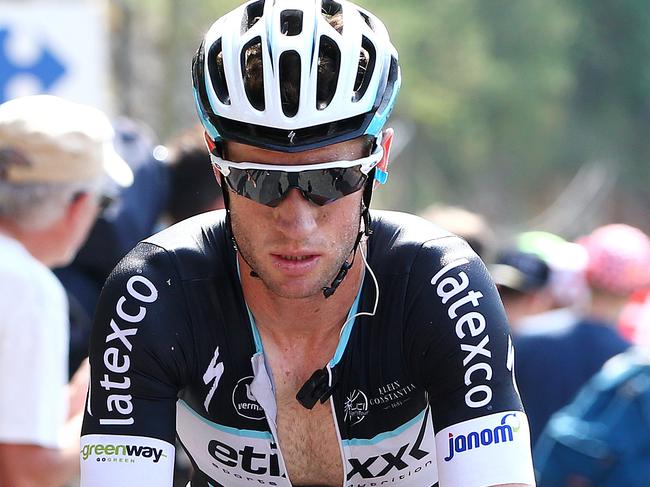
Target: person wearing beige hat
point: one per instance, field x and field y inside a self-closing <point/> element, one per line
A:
<point x="57" y="162"/>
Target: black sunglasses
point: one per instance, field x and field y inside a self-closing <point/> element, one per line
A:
<point x="103" y="201"/>
<point x="320" y="183"/>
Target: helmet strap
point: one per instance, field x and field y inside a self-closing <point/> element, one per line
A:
<point x="366" y="230"/>
<point x="231" y="234"/>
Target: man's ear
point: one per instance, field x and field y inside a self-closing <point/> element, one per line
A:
<point x="77" y="207"/>
<point x="209" y="143"/>
<point x="212" y="149"/>
<point x="381" y="171"/>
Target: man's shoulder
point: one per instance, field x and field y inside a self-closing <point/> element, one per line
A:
<point x="406" y="228"/>
<point x="196" y="247"/>
<point x="192" y="234"/>
<point x="400" y="239"/>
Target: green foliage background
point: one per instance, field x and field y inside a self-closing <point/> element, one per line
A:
<point x="503" y="103"/>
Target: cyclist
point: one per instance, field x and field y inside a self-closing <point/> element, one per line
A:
<point x="296" y="338"/>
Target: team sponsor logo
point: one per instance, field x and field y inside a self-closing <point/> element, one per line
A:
<point x="453" y="288"/>
<point x="356" y="407"/>
<point x="212" y="375"/>
<point x="244" y="402"/>
<point x="392" y="395"/>
<point x="501" y="433"/>
<point x="398" y="465"/>
<point x="112" y="453"/>
<point x="389" y="396"/>
<point x="130" y="310"/>
<point x="245" y="460"/>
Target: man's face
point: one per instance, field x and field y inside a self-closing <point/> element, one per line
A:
<point x="297" y="247"/>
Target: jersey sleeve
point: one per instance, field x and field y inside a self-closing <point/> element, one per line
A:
<point x="138" y="353"/>
<point x="458" y="347"/>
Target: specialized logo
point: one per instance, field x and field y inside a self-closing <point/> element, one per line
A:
<point x="502" y="433"/>
<point x="453" y="290"/>
<point x="244" y="402"/>
<point x="356" y="407"/>
<point x="212" y="374"/>
<point x="140" y="290"/>
<point x="121" y="453"/>
<point x="291" y="135"/>
<point x="247" y="458"/>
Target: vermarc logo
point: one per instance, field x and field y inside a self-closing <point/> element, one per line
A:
<point x="244" y="402"/>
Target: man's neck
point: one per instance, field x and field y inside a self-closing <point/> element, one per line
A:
<point x="38" y="243"/>
<point x="313" y="319"/>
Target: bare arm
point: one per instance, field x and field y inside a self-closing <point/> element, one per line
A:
<point x="33" y="465"/>
<point x="24" y="465"/>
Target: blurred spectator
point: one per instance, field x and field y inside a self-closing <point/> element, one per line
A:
<point x="55" y="157"/>
<point x="602" y="438"/>
<point x="522" y="280"/>
<point x="552" y="367"/>
<point x="470" y="226"/>
<point x="634" y="323"/>
<point x="566" y="261"/>
<point x="129" y="219"/>
<point x="193" y="188"/>
<point x="553" y="287"/>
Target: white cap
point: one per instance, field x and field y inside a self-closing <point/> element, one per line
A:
<point x="47" y="139"/>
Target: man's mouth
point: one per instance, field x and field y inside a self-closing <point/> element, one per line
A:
<point x="296" y="257"/>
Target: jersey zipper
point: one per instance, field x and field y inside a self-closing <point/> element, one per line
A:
<point x="336" y="427"/>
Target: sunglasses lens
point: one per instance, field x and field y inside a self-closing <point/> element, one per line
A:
<point x="328" y="185"/>
<point x="320" y="186"/>
<point x="265" y="187"/>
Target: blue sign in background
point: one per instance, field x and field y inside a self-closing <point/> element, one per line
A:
<point x="47" y="69"/>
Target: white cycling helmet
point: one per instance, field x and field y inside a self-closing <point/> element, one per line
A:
<point x="351" y="95"/>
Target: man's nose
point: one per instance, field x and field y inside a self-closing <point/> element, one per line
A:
<point x="296" y="216"/>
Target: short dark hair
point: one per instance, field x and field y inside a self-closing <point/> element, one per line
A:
<point x="328" y="66"/>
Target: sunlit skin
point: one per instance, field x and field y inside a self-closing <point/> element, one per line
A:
<point x="299" y="327"/>
<point x="322" y="237"/>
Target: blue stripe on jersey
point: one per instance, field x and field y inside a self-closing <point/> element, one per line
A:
<point x="264" y="435"/>
<point x="388" y="434"/>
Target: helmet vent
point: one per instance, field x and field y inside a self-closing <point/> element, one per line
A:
<point x="329" y="9"/>
<point x="367" y="58"/>
<point x="218" y="74"/>
<point x="253" y="13"/>
<point x="329" y="66"/>
<point x="291" y="22"/>
<point x="252" y="69"/>
<point x="290" y="82"/>
<point x="367" y="20"/>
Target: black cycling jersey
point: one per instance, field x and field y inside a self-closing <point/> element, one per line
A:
<point x="422" y="392"/>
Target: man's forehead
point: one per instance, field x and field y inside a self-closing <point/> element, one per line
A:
<point x="348" y="150"/>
